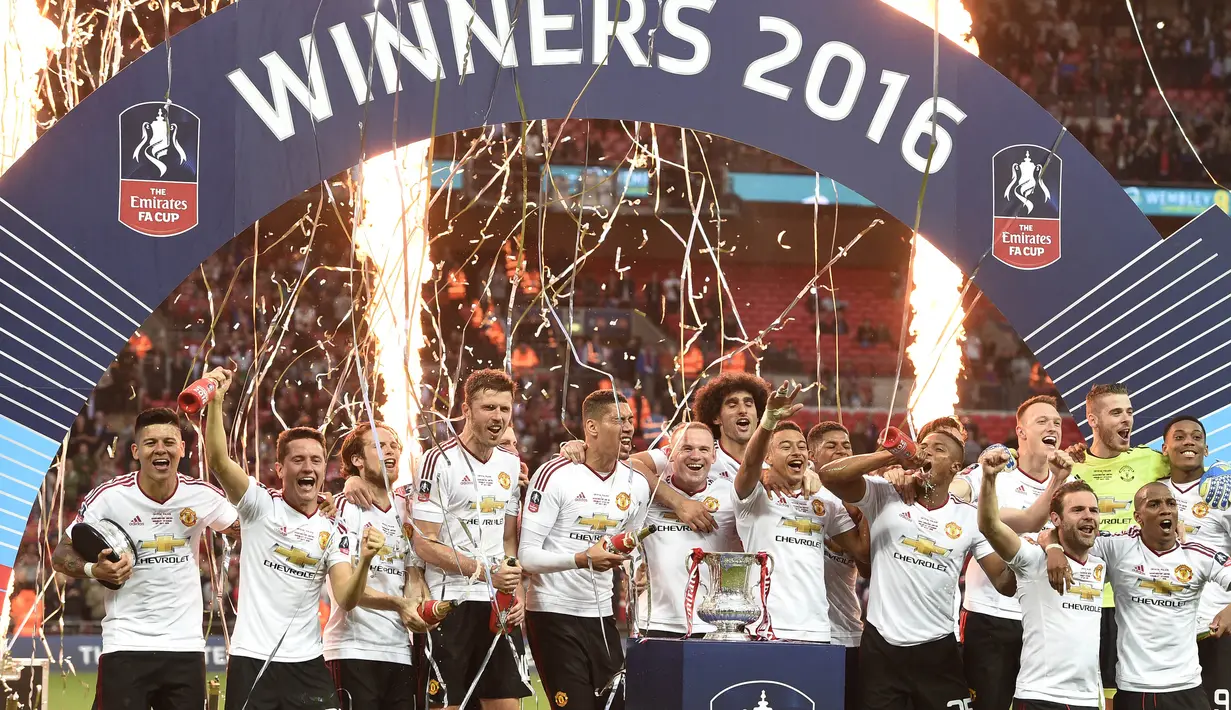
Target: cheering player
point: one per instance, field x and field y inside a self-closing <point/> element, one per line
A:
<point x="1158" y="580"/>
<point x="153" y="649"/>
<point x="665" y="612"/>
<point x="731" y="404"/>
<point x="367" y="648"/>
<point x="1184" y="446"/>
<point x="466" y="509"/>
<point x="276" y="655"/>
<point x="791" y="528"/>
<point x="992" y="627"/>
<point x="830" y="441"/>
<point x="571" y="511"/>
<point x="1059" y="650"/>
<point x="1116" y="471"/>
<point x="909" y="651"/>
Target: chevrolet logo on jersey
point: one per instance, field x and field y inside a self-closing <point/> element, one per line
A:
<point x="164" y="543"/>
<point x="1108" y="504"/>
<point x="924" y="546"/>
<point x="296" y="556"/>
<point x="803" y="526"/>
<point x="1086" y="592"/>
<point x="1160" y="586"/>
<point x="489" y="504"/>
<point x="386" y="554"/>
<point x="598" y="522"/>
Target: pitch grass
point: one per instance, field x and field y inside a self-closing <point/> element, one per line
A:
<point x="76" y="692"/>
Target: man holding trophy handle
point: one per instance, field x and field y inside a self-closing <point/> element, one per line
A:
<point x="791" y="527"/>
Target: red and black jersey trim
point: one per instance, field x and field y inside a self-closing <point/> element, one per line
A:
<point x="545" y="472"/>
<point x="128" y="480"/>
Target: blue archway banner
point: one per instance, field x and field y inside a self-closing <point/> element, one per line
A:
<point x="126" y="195"/>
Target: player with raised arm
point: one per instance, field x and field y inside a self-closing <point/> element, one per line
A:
<point x="992" y="627"/>
<point x="1116" y="471"/>
<point x="1059" y="650"/>
<point x="153" y="649"/>
<point x="663" y="613"/>
<point x="791" y="528"/>
<point x="465" y="510"/>
<point x="367" y="649"/>
<point x="1158" y="580"/>
<point x="909" y="651"/>
<point x="566" y="525"/>
<point x="830" y="441"/>
<point x="289" y="547"/>
<point x="1185" y="448"/>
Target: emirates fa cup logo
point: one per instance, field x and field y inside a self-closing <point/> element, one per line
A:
<point x="1027" y="182"/>
<point x="158" y="139"/>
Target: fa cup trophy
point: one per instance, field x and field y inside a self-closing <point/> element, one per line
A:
<point x="730" y="604"/>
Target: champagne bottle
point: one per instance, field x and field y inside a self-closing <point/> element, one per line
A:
<point x="626" y="542"/>
<point x="434" y="611"/>
<point x="500" y="609"/>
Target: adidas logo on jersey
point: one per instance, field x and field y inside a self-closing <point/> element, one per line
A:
<point x="1139" y="569"/>
<point x="905" y="515"/>
<point x="136" y="521"/>
<point x="581" y="497"/>
<point x="1021" y="488"/>
<point x="466" y="478"/>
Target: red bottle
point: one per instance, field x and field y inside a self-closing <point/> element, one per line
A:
<point x="197" y="395"/>
<point x="626" y="542"/>
<point x="433" y="611"/>
<point x="900" y="445"/>
<point x="498" y="623"/>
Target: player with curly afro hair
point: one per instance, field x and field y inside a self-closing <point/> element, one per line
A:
<point x="731" y="405"/>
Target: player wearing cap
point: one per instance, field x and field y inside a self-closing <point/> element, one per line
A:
<point x="1184" y="446"/>
<point x="466" y="511"/>
<point x="1116" y="471"/>
<point x="830" y="441"/>
<point x="153" y="649"/>
<point x="1059" y="647"/>
<point x="1158" y="582"/>
<point x="991" y="624"/>
<point x="791" y="528"/>
<point x="571" y="510"/>
<point x="909" y="651"/>
<point x="663" y="611"/>
<point x="367" y="649"/>
<point x="276" y="658"/>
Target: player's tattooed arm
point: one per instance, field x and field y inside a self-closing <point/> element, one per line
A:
<point x="231" y="530"/>
<point x="66" y="561"/>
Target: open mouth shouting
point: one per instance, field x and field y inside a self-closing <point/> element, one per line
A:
<point x="626" y="446"/>
<point x="796" y="464"/>
<point x="743" y="424"/>
<point x="1167" y="524"/>
<point x="306" y="483"/>
<point x="1123" y="433"/>
<point x="1051" y="441"/>
<point x="391" y="465"/>
<point x="495" y="429"/>
<point x="161" y="463"/>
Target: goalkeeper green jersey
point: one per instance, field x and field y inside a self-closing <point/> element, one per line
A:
<point x="1115" y="482"/>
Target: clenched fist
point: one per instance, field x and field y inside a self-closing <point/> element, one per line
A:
<point x="371" y="544"/>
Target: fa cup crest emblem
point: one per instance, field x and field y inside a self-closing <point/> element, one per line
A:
<point x="1027" y="182"/>
<point x="158" y="139"/>
<point x="1026" y="206"/>
<point x="159" y="154"/>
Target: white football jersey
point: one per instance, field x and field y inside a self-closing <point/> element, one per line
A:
<point x="725" y="465"/>
<point x="845" y="611"/>
<point x="472" y="501"/>
<point x="917" y="556"/>
<point x="282" y="565"/>
<point x="159" y="608"/>
<point x="1156" y="609"/>
<point x="1060" y="634"/>
<point x="371" y="634"/>
<point x="793" y="531"/>
<point x="1015" y="490"/>
<point x="573" y="506"/>
<point x="666" y="553"/>
<point x="1205" y="526"/>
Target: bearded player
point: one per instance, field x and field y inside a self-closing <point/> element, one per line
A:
<point x="466" y="513"/>
<point x="1060" y="648"/>
<point x="1158" y="581"/>
<point x="153" y="649"/>
<point x="572" y="511"/>
<point x="367" y="649"/>
<point x="1116" y="471"/>
<point x="910" y="654"/>
<point x="277" y="660"/>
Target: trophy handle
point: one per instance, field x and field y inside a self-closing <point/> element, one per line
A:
<point x="772" y="563"/>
